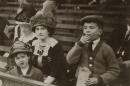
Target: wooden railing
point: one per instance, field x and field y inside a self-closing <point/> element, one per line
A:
<point x="9" y="80"/>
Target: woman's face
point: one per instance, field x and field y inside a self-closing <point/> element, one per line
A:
<point x="41" y="32"/>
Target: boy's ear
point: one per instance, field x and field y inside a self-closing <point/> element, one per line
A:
<point x="29" y="57"/>
<point x="100" y="32"/>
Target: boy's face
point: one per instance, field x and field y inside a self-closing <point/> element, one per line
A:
<point x="22" y="60"/>
<point x="92" y="30"/>
<point x="41" y="32"/>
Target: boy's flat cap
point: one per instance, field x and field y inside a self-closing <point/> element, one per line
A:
<point x="92" y="18"/>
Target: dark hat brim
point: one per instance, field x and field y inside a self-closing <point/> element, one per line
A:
<point x="16" y="51"/>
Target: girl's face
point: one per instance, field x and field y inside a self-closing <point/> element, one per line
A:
<point x="41" y="32"/>
<point x="22" y="60"/>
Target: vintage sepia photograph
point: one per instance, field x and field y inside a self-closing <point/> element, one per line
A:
<point x="64" y="42"/>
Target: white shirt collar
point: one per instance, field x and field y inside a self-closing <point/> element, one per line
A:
<point x="24" y="71"/>
<point x="95" y="42"/>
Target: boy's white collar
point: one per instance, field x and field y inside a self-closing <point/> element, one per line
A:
<point x="96" y="41"/>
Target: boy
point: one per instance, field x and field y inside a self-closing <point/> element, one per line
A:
<point x="22" y="55"/>
<point x="97" y="63"/>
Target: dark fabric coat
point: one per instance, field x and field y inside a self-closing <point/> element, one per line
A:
<point x="32" y="73"/>
<point x="105" y="64"/>
<point x="27" y="12"/>
<point x="54" y="64"/>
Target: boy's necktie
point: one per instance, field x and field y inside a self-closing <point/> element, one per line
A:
<point x="90" y="46"/>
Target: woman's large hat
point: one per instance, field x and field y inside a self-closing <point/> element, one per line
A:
<point x="41" y="20"/>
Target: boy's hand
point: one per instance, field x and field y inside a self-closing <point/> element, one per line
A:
<point x="85" y="39"/>
<point x="92" y="81"/>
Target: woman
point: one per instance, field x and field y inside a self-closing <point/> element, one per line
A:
<point x="48" y="53"/>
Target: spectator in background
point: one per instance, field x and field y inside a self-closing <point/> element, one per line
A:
<point x="27" y="35"/>
<point x="25" y="11"/>
<point x="120" y="42"/>
<point x="48" y="9"/>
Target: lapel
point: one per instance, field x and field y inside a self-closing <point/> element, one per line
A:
<point x="94" y="53"/>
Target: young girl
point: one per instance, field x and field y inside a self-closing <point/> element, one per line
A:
<point x="21" y="54"/>
<point x="49" y="56"/>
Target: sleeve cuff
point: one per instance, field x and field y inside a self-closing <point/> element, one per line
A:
<point x="80" y="44"/>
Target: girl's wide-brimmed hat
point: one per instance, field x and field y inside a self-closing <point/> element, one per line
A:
<point x="20" y="47"/>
